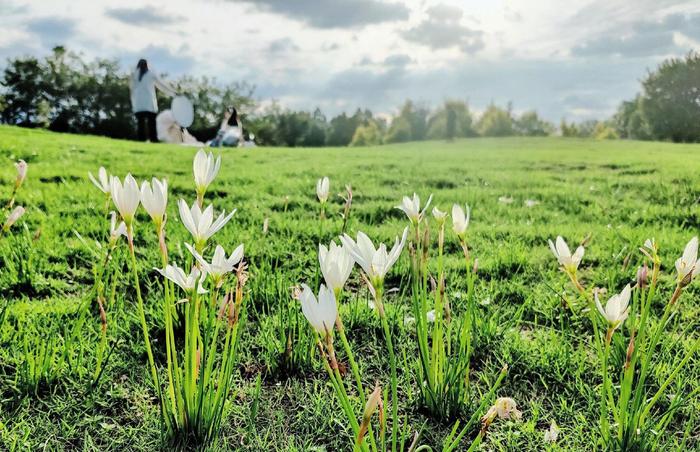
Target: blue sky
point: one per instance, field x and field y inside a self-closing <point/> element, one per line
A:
<point x="575" y="59"/>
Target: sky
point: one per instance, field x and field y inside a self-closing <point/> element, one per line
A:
<point x="575" y="60"/>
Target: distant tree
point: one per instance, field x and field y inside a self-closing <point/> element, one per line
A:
<point x="629" y="121"/>
<point x="25" y="87"/>
<point x="496" y="122"/>
<point x="453" y="113"/>
<point x="367" y="135"/>
<point x="342" y="128"/>
<point x="587" y="128"/>
<point x="568" y="130"/>
<point x="411" y="124"/>
<point x="670" y="101"/>
<point x="399" y="131"/>
<point x="605" y="131"/>
<point x="531" y="125"/>
<point x="67" y="94"/>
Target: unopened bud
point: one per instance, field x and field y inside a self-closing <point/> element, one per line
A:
<point x="374" y="400"/>
<point x="266" y="225"/>
<point x="643" y="276"/>
<point x="426" y="243"/>
<point x="13" y="217"/>
<point x="21" y="173"/>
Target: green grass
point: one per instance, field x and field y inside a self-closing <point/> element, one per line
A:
<point x="620" y="192"/>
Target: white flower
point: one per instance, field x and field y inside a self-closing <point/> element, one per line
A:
<point x="202" y="224"/>
<point x="336" y="264"/>
<point x="563" y="254"/>
<point x="220" y="265"/>
<point x="185" y="281"/>
<point x="126" y="197"/>
<point x="688" y="264"/>
<point x="503" y="408"/>
<point x="21" y="167"/>
<point x="505" y="200"/>
<point x="15" y="215"/>
<point x="323" y="187"/>
<point x="531" y="203"/>
<point x="460" y="220"/>
<point x="376" y="262"/>
<point x="205" y="168"/>
<point x="411" y="207"/>
<point x="551" y="435"/>
<point x="320" y="313"/>
<point x="430" y="316"/>
<point x="617" y="308"/>
<point x="116" y="230"/>
<point x="103" y="181"/>
<point x="439" y="215"/>
<point x="154" y="198"/>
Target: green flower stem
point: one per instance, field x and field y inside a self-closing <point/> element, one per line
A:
<point x="392" y="361"/>
<point x="142" y="312"/>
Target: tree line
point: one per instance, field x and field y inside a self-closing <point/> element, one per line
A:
<point x="668" y="106"/>
<point x="64" y="93"/>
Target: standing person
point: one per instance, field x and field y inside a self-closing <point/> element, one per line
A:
<point x="230" y="132"/>
<point x="143" y="85"/>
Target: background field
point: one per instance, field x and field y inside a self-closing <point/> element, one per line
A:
<point x="620" y="192"/>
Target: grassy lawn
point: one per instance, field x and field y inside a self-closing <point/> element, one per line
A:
<point x="619" y="192"/>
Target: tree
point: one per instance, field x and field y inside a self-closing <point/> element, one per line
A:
<point x="450" y="121"/>
<point x="367" y="135"/>
<point x="670" y="101"/>
<point x="568" y="130"/>
<point x="25" y="88"/>
<point x="342" y="128"/>
<point x="629" y="121"/>
<point x="411" y="124"/>
<point x="496" y="122"/>
<point x="531" y="125"/>
<point x="67" y="94"/>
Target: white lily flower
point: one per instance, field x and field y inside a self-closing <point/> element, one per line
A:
<point x="505" y="200"/>
<point x="202" y="224"/>
<point x="617" y="308"/>
<point x="205" y="168"/>
<point x="688" y="265"/>
<point x="336" y="265"/>
<point x="21" y="167"/>
<point x="439" y="215"/>
<point x="563" y="254"/>
<point x="103" y="181"/>
<point x="115" y="231"/>
<point x="188" y="283"/>
<point x="126" y="197"/>
<point x="411" y="207"/>
<point x="430" y="316"/>
<point x="220" y="265"/>
<point x="323" y="187"/>
<point x="551" y="435"/>
<point x="320" y="313"/>
<point x="15" y="215"/>
<point x="154" y="198"/>
<point x="376" y="262"/>
<point x="503" y="408"/>
<point x="460" y="220"/>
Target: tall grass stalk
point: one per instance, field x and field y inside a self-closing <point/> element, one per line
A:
<point x="445" y="349"/>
